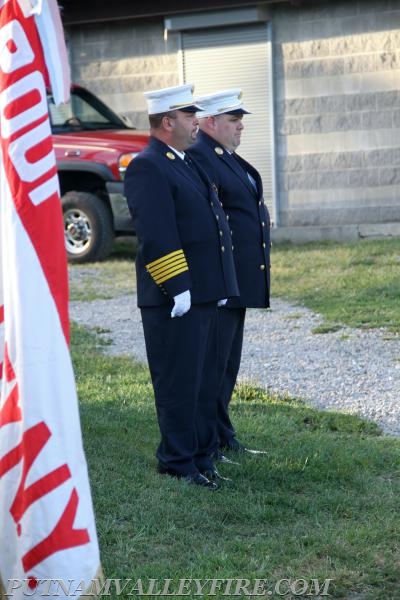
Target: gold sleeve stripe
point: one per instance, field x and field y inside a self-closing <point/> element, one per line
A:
<point x="164" y="258"/>
<point x="181" y="262"/>
<point x="167" y="266"/>
<point x="160" y="274"/>
<point x="167" y="276"/>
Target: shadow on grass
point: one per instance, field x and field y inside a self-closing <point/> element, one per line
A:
<point x="322" y="503"/>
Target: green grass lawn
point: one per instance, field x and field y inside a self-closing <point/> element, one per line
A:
<point x="355" y="284"/>
<point x="322" y="504"/>
<point x="104" y="280"/>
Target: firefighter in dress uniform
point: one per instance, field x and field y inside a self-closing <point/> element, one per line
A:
<point x="184" y="269"/>
<point x="241" y="193"/>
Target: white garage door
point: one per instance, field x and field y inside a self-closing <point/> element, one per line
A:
<point x="239" y="56"/>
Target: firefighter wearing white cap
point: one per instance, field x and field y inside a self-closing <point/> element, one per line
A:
<point x="184" y="268"/>
<point x="241" y="193"/>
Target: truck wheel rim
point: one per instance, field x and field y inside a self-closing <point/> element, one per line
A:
<point x="77" y="231"/>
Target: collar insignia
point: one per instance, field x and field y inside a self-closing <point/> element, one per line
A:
<point x="170" y="155"/>
<point x="218" y="150"/>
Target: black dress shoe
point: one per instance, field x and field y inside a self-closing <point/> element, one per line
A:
<point x="165" y="471"/>
<point x="233" y="445"/>
<point x="214" y="475"/>
<point x="194" y="478"/>
<point x="202" y="480"/>
<point x="218" y="455"/>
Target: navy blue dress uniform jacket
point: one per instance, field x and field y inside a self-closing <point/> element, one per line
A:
<point x="248" y="218"/>
<point x="183" y="233"/>
<point x="184" y="243"/>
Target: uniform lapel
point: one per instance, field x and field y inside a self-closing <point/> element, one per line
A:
<point x="200" y="173"/>
<point x="249" y="170"/>
<point x="195" y="174"/>
<point x="232" y="161"/>
<point x="181" y="167"/>
<point x="241" y="171"/>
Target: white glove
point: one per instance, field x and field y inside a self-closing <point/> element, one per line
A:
<point x="181" y="304"/>
<point x="222" y="302"/>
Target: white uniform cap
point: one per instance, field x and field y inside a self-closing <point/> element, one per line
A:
<point x="179" y="97"/>
<point x="226" y="101"/>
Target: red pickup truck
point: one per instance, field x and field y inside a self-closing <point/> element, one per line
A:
<point x="93" y="147"/>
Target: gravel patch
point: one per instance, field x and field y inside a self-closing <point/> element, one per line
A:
<point x="350" y="370"/>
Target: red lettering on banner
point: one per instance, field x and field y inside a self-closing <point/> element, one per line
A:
<point x="8" y="368"/>
<point x="11" y="46"/>
<point x="30" y="99"/>
<point x="10" y="412"/>
<point x="62" y="537"/>
<point x="33" y="441"/>
<point x="38" y="151"/>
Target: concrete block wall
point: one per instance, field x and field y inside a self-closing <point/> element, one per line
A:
<point x="337" y="101"/>
<point x="337" y="82"/>
<point x="120" y="60"/>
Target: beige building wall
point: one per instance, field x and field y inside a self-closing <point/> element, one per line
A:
<point x="337" y="69"/>
<point x="120" y="60"/>
<point x="337" y="104"/>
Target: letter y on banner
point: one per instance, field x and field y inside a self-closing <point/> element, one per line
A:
<point x="47" y="528"/>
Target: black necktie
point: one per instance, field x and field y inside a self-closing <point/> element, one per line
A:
<point x="192" y="167"/>
<point x="193" y="170"/>
<point x="188" y="161"/>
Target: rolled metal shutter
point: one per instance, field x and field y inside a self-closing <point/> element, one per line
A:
<point x="238" y="56"/>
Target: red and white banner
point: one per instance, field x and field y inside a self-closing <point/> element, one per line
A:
<point x="47" y="527"/>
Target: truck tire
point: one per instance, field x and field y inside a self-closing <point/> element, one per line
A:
<point x="88" y="227"/>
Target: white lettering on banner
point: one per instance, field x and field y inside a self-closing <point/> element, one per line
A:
<point x="34" y="439"/>
<point x="15" y="50"/>
<point x="21" y="104"/>
<point x="35" y="101"/>
<point x="31" y="171"/>
<point x="45" y="191"/>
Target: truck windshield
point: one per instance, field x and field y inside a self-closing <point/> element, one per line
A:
<point x="84" y="111"/>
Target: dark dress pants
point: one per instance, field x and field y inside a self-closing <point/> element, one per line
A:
<point x="182" y="357"/>
<point x="230" y="343"/>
